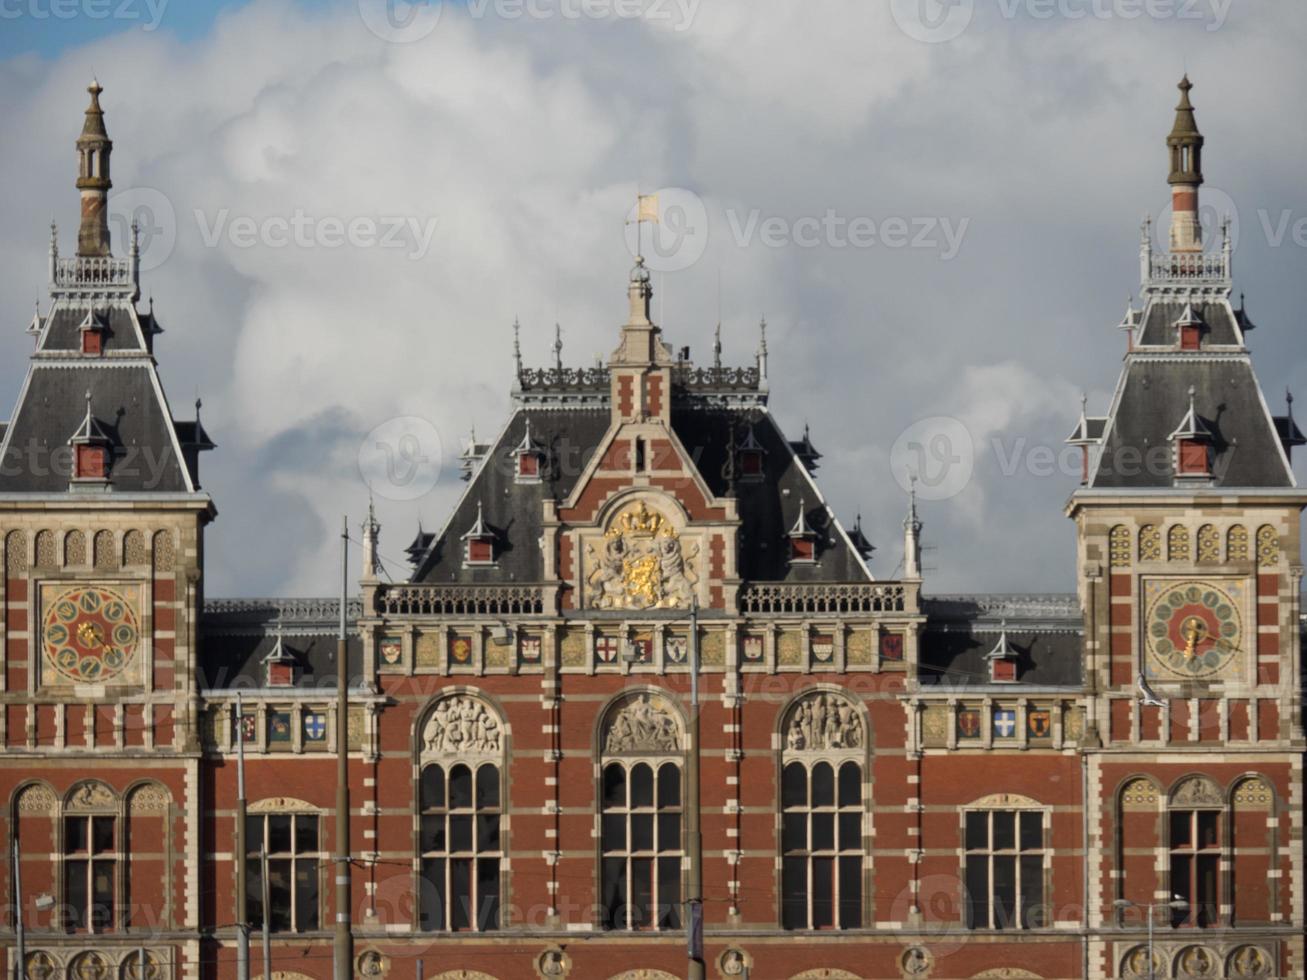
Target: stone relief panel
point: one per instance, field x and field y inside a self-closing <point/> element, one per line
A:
<point x="1197" y="791"/>
<point x="823" y="721"/>
<point x="462" y="725"/>
<point x="642" y="723"/>
<point x="640" y="562"/>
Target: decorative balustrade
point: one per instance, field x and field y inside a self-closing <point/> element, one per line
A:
<point x="462" y="600"/>
<point x="997" y="607"/>
<point x="1191" y="266"/>
<point x="97" y="271"/>
<point x="243" y="614"/>
<point x="859" y="597"/>
<point x="563" y="379"/>
<point x="716" y="378"/>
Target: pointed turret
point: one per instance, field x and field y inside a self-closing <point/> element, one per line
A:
<point x="371" y="538"/>
<point x="1186" y="147"/>
<point x="93" y="151"/>
<point x="912" y="534"/>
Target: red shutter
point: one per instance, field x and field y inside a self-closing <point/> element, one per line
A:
<point x="802" y="549"/>
<point x="90" y="463"/>
<point x="1003" y="670"/>
<point x="92" y="343"/>
<point x="480" y="550"/>
<point x="1193" y="458"/>
<point x="751" y="462"/>
<point x="1189" y="337"/>
<point x="528" y="465"/>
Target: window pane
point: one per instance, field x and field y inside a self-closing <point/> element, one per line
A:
<point x="306" y="894"/>
<point x="279" y="833"/>
<point x="977" y="835"/>
<point x="75" y="892"/>
<point x="253" y="834"/>
<point x="794" y="832"/>
<point x="850" y="784"/>
<point x="76" y="835"/>
<point x="823" y="894"/>
<point x="460" y="832"/>
<point x="794" y="785"/>
<point x="1208" y="866"/>
<point x="669" y="832"/>
<point x="1182" y="885"/>
<point x="641" y="892"/>
<point x="823" y="831"/>
<point x="488" y="894"/>
<point x="254" y="893"/>
<point x="794" y="893"/>
<point x="1180" y="829"/>
<point x="614" y="790"/>
<point x="613" y="893"/>
<point x="1032" y="830"/>
<point x="432" y="834"/>
<point x="669" y="785"/>
<point x="432" y="791"/>
<point x="488" y="832"/>
<point x="850" y="831"/>
<point x="279" y="895"/>
<point x="102" y="835"/>
<point x="641" y="785"/>
<point x="1207" y="828"/>
<point x="642" y="832"/>
<point x="488" y="788"/>
<point x="1032" y="891"/>
<point x="460" y="788"/>
<point x="669" y="893"/>
<point x="306" y="835"/>
<point x="612" y="832"/>
<point x="460" y="893"/>
<point x="823" y="785"/>
<point x="1005" y="830"/>
<point x="977" y="896"/>
<point x="433" y="894"/>
<point x="850" y="892"/>
<point x="1005" y="892"/>
<point x="102" y="894"/>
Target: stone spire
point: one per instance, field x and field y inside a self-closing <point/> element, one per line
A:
<point x="93" y="151"/>
<point x="912" y="534"/>
<point x="1186" y="148"/>
<point x="371" y="537"/>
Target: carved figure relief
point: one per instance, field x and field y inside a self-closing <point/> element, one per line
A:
<point x="41" y="966"/>
<point x="92" y="795"/>
<point x="91" y="965"/>
<point x="464" y="725"/>
<point x="1197" y="791"/>
<point x="1135" y="963"/>
<point x="641" y="564"/>
<point x="553" y="962"/>
<point x="1249" y="961"/>
<point x="1196" y="961"/>
<point x="916" y="961"/>
<point x="644" y="723"/>
<point x="823" y="721"/>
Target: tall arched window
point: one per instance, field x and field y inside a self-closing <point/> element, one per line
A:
<point x="822" y="814"/>
<point x="641" y="815"/>
<point x="1195" y="845"/>
<point x="460" y="816"/>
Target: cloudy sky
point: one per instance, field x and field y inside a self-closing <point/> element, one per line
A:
<point x="936" y="205"/>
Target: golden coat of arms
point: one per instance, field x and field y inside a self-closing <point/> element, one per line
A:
<point x="641" y="564"/>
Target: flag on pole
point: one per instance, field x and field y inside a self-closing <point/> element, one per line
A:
<point x="646" y="208"/>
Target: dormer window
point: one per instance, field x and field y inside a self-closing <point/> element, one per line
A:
<point x="92" y="332"/>
<point x="91" y="463"/>
<point x="479" y="543"/>
<point x="803" y="540"/>
<point x="1193" y="445"/>
<point x="91" y="447"/>
<point x="751" y="456"/>
<point x="1002" y="660"/>
<point x="1189" y="330"/>
<point x="280" y="664"/>
<point x="529" y="458"/>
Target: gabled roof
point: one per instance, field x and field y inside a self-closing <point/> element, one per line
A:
<point x="1043" y="634"/>
<point x="1157" y="327"/>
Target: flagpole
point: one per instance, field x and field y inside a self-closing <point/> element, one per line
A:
<point x="242" y="900"/>
<point x="343" y="945"/>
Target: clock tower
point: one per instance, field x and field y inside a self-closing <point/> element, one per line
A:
<point x="1188" y="520"/>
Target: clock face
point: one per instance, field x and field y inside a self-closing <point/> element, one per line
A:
<point x="1194" y="629"/>
<point x="90" y="634"/>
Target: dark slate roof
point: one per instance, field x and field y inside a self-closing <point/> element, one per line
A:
<point x="236" y="636"/>
<point x="1158" y="327"/>
<point x="512" y="510"/>
<point x="1153" y="399"/>
<point x="1045" y="631"/>
<point x="126" y="404"/>
<point x="768" y="507"/>
<point x="63" y="328"/>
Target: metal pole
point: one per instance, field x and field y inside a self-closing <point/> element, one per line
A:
<point x="242" y="899"/>
<point x="20" y="963"/>
<point x="1151" y="908"/>
<point x="140" y="962"/>
<point x="267" y="931"/>
<point x="694" y="929"/>
<point x="343" y="946"/>
<point x="419" y="977"/>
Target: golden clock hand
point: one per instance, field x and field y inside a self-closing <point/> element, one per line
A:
<point x="1191" y="635"/>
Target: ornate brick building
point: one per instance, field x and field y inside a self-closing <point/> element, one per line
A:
<point x="889" y="784"/>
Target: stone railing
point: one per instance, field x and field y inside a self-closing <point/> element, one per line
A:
<point x="1191" y="266"/>
<point x="852" y="597"/>
<point x="461" y="600"/>
<point x="1017" y="606"/>
<point x="94" y="271"/>
<point x="716" y="378"/>
<point x="563" y="379"/>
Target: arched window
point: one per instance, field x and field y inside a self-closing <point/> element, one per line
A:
<point x="1194" y="843"/>
<point x="90" y="857"/>
<point x="290" y="833"/>
<point x="641" y="815"/>
<point x="1005" y="864"/>
<point x="461" y="812"/>
<point x="823" y="814"/>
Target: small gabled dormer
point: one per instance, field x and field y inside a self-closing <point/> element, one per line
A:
<point x="38" y="323"/>
<point x="1192" y="446"/>
<point x="1087" y="434"/>
<point x="280" y="664"/>
<point x="528" y="458"/>
<point x="806" y="451"/>
<point x="93" y="329"/>
<point x="1130" y="323"/>
<point x="751" y="456"/>
<point x="1002" y="660"/>
<point x="479" y="543"/>
<point x="1189" y="330"/>
<point x="92" y="450"/>
<point x="471" y="456"/>
<point x="859" y="540"/>
<point x="803" y="539"/>
<point x="1287" y="429"/>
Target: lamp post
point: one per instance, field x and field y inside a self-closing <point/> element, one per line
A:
<point x="1177" y="904"/>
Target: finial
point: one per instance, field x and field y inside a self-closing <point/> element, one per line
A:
<point x="1185" y="86"/>
<point x="717" y="346"/>
<point x="199" y="404"/>
<point x="136" y="237"/>
<point x="558" y="346"/>
<point x="1288" y="401"/>
<point x="54" y="235"/>
<point x="517" y="344"/>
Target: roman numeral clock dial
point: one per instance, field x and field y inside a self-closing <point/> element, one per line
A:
<point x="1194" y="630"/>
